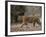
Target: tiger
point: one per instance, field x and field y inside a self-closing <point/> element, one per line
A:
<point x="32" y="19"/>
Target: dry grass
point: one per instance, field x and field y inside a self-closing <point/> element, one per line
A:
<point x="29" y="27"/>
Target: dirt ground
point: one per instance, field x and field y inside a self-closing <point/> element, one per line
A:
<point x="28" y="27"/>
